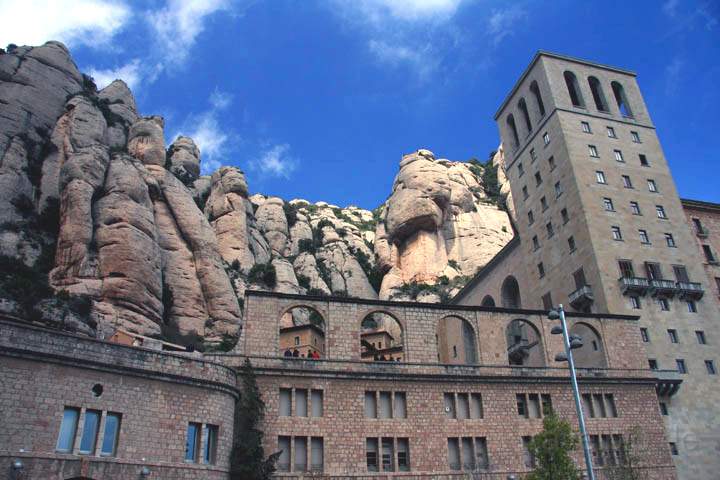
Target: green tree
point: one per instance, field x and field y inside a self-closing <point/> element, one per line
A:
<point x="627" y="459"/>
<point x="247" y="458"/>
<point x="551" y="449"/>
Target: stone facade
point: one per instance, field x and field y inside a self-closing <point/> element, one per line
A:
<point x="598" y="216"/>
<point x="157" y="395"/>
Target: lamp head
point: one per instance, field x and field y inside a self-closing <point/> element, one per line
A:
<point x="553" y="315"/>
<point x="561" y="357"/>
<point x="557" y="330"/>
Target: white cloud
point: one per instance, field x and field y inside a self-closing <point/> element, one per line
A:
<point x="178" y="24"/>
<point x="672" y="75"/>
<point x="130" y="73"/>
<point x="669" y="8"/>
<point x="220" y="100"/>
<point x="275" y="161"/>
<point x="502" y="23"/>
<point x="74" y="22"/>
<point x="406" y="10"/>
<point x="422" y="60"/>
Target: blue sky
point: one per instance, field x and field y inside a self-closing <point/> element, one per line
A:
<point x="319" y="99"/>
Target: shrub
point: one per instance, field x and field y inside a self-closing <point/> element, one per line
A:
<point x="342" y="232"/>
<point x="315" y="292"/>
<point x="89" y="85"/>
<point x="324" y="272"/>
<point x="303" y="281"/>
<point x="24" y="205"/>
<point x="290" y="213"/>
<point x="306" y="245"/>
<point x="454" y="264"/>
<point x="373" y="274"/>
<point x="263" y="273"/>
<point x="49" y="219"/>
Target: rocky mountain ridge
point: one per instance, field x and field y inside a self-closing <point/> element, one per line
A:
<point x="102" y="226"/>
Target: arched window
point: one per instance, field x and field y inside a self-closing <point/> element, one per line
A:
<point x="524" y="345"/>
<point x="574" y="89"/>
<point x="592" y="353"/>
<point x="456" y="341"/>
<point x="513" y="131"/>
<point x="538" y="99"/>
<point x="526" y="116"/>
<point x="621" y="99"/>
<point x="381" y="338"/>
<point x="597" y="94"/>
<point x="302" y="333"/>
<point x="488" y="301"/>
<point x="510" y="293"/>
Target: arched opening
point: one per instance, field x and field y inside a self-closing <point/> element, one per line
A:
<point x="513" y="131"/>
<point x="574" y="89"/>
<point x="621" y="99"/>
<point x="526" y="115"/>
<point x="592" y="353"/>
<point x="488" y="301"/>
<point x="524" y="345"/>
<point x="302" y="333"/>
<point x="535" y="90"/>
<point x="510" y="293"/>
<point x="456" y="341"/>
<point x="381" y="338"/>
<point x="597" y="94"/>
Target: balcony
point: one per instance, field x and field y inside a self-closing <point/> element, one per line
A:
<point x="582" y="297"/>
<point x="634" y="285"/>
<point x="701" y="232"/>
<point x="690" y="290"/>
<point x="663" y="288"/>
<point x="667" y="382"/>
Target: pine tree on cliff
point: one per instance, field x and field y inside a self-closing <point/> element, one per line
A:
<point x="247" y="459"/>
<point x="551" y="449"/>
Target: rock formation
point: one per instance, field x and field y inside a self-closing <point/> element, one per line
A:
<point x="120" y="231"/>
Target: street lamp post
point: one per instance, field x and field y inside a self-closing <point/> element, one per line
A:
<point x="570" y="344"/>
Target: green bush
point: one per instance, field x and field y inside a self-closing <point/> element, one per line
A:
<point x="263" y="273"/>
<point x="290" y="213"/>
<point x="303" y="281"/>
<point x="306" y="245"/>
<point x="315" y="292"/>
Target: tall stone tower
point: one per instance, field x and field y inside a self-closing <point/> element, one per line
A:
<point x="601" y="229"/>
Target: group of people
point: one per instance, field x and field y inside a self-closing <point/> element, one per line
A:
<point x="314" y="355"/>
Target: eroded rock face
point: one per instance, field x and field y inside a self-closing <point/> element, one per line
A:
<point x="184" y="159"/>
<point x="146" y="140"/>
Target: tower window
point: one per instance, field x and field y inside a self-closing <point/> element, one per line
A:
<point x="541" y="269"/>
<point x="645" y="336"/>
<point x="635" y="302"/>
<point x="531" y="217"/>
<point x="521" y="169"/>
<point x="709" y="256"/>
<point x="643" y="160"/>
<point x="550" y="229"/>
<point x="700" y="335"/>
<point x="536" y="242"/>
<point x="513" y="131"/>
<point x="571" y="244"/>
<point x="621" y="99"/>
<point x="538" y="178"/>
<point x="592" y="149"/>
<point x="564" y="215"/>
<point x="635" y="137"/>
<point x="574" y="89"/>
<point x="611" y="132"/>
<point x="652" y="363"/>
<point x="635" y="208"/>
<point x="661" y="212"/>
<point x="627" y="183"/>
<point x="586" y="127"/>
<point x="672" y="334"/>
<point x="670" y="240"/>
<point x="597" y="94"/>
<point x="664" y="304"/>
<point x="525" y="192"/>
<point x="616" y="233"/>
<point x="533" y="155"/>
<point x="710" y="367"/>
<point x="618" y="156"/>
<point x="544" y="204"/>
<point x="608" y="203"/>
<point x="681" y="367"/>
<point x="526" y="116"/>
<point x="644" y="238"/>
<point x="558" y="189"/>
<point x="600" y="177"/>
<point x="691" y="306"/>
<point x="546" y="138"/>
<point x="652" y="186"/>
<point x="551" y="163"/>
<point x="535" y="90"/>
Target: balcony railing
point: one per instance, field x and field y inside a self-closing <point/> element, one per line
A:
<point x="702" y="232"/>
<point x="690" y="290"/>
<point x="667" y="382"/>
<point x="663" y="288"/>
<point x="582" y="297"/>
<point x="637" y="285"/>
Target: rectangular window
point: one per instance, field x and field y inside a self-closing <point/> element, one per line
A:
<point x="300" y="461"/>
<point x="371" y="454"/>
<point x="528" y="458"/>
<point x="627" y="183"/>
<point x="551" y="163"/>
<point x="681" y="367"/>
<point x="476" y="406"/>
<point x="571" y="244"/>
<point x="673" y="448"/>
<point x="635" y="302"/>
<point x="564" y="215"/>
<point x="191" y="443"/>
<point x="533" y="155"/>
<point x="546" y="138"/>
<point x="403" y="454"/>
<point x="522" y="405"/>
<point x="399" y="405"/>
<point x="317" y="454"/>
<point x="644" y="237"/>
<point x="454" y="454"/>
<point x="558" y="189"/>
<point x="611" y="132"/>
<point x="538" y="179"/>
<point x="316" y="400"/>
<point x="643" y="160"/>
<point x="521" y="170"/>
<point x="547" y="301"/>
<point x="525" y="193"/>
<point x="645" y="336"/>
<point x="672" y="334"/>
<point x="709" y="254"/>
<point x="700" y="335"/>
<point x="592" y="149"/>
<point x="531" y="217"/>
<point x="616" y="233"/>
<point x="710" y="367"/>
<point x="653" y="271"/>
<point x="301" y="407"/>
<point x="546" y="401"/>
<point x="91" y="426"/>
<point x="370" y="405"/>
<point x="68" y="430"/>
<point x="653" y="364"/>
<point x="111" y="434"/>
<point x="670" y="240"/>
<point x="449" y="401"/>
<point x="635" y="208"/>
<point x="618" y="156"/>
<point x="579" y="277"/>
<point x="543" y="204"/>
<point x="664" y="304"/>
<point x="541" y="270"/>
<point x="600" y="177"/>
<point x="384" y="405"/>
<point x="481" y="453"/>
<point x="388" y="454"/>
<point x="608" y="204"/>
<point x="550" y="229"/>
<point x="610" y="405"/>
<point x="536" y="242"/>
<point x="661" y="212"/>
<point x="635" y="137"/>
<point x="652" y="186"/>
<point x="285" y="402"/>
<point x="209" y="438"/>
<point x="626" y="268"/>
<point x="587" y="405"/>
<point x="283" y="462"/>
<point x="586" y="127"/>
<point x="691" y="306"/>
